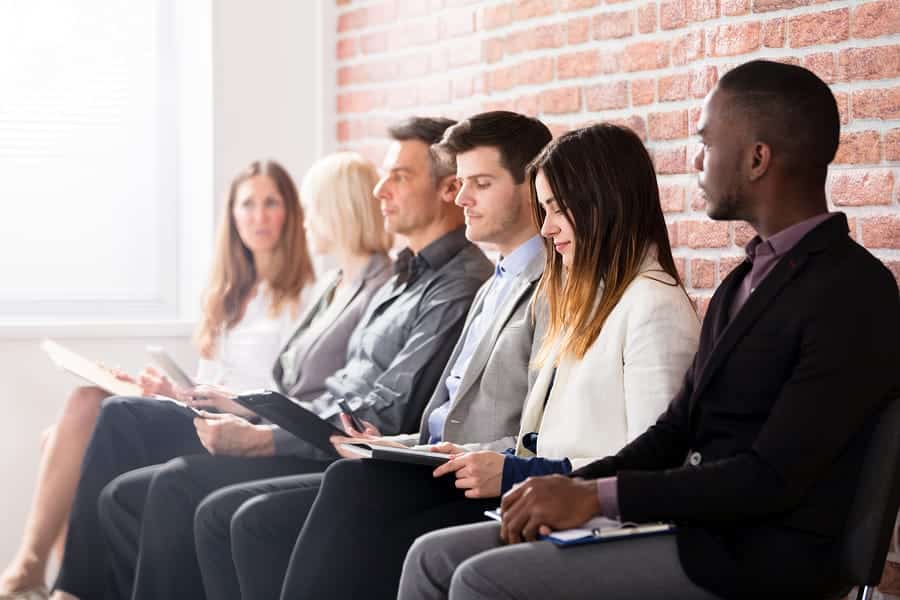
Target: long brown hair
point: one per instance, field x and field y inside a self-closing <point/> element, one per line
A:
<point x="234" y="275"/>
<point x="603" y="180"/>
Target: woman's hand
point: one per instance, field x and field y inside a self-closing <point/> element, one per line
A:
<point x="369" y="430"/>
<point x="448" y="448"/>
<point x="337" y="440"/>
<point x="479" y="473"/>
<point x="154" y="382"/>
<point x="214" y="396"/>
<point x="231" y="435"/>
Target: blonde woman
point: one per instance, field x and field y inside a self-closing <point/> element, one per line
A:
<point x="260" y="270"/>
<point x="343" y="221"/>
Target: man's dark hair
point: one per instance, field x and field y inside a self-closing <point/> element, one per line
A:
<point x="518" y="138"/>
<point x="429" y="130"/>
<point x="790" y="109"/>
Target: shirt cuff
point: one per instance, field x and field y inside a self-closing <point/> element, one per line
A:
<point x="608" y="494"/>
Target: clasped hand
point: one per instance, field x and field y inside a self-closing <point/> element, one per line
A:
<point x="541" y="505"/>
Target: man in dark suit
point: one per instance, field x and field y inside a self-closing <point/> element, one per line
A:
<point x="757" y="456"/>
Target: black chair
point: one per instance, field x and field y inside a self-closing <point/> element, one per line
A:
<point x="871" y="521"/>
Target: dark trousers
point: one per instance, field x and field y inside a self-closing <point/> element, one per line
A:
<point x="245" y="534"/>
<point x="148" y="519"/>
<point x="365" y="518"/>
<point x="131" y="433"/>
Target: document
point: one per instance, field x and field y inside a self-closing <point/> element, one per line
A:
<point x="598" y="529"/>
<point x="88" y="370"/>
<point x="404" y="455"/>
<point x="291" y="416"/>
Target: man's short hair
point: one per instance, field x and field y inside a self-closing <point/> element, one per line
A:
<point x="790" y="109"/>
<point x="518" y="138"/>
<point x="429" y="130"/>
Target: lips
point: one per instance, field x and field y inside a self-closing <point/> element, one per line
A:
<point x="560" y="246"/>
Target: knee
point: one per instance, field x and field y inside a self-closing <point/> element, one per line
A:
<point x="470" y="581"/>
<point x="211" y="520"/>
<point x="423" y="559"/>
<point x="248" y="518"/>
<point x="169" y="483"/>
<point x="109" y="500"/>
<point x="84" y="403"/>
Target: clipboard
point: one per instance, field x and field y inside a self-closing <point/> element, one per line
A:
<point x="88" y="370"/>
<point x="598" y="530"/>
<point x="404" y="455"/>
<point x="165" y="361"/>
<point x="291" y="416"/>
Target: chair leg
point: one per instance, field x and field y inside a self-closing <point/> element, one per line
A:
<point x="865" y="592"/>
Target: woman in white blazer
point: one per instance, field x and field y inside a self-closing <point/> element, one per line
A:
<point x="621" y="330"/>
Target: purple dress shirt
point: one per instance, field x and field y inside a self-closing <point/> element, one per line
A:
<point x="763" y="255"/>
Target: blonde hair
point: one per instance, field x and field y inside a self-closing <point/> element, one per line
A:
<point x="338" y="193"/>
<point x="234" y="275"/>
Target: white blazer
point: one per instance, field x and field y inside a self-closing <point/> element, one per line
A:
<point x="625" y="380"/>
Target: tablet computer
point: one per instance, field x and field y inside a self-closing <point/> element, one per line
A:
<point x="288" y="414"/>
<point x="165" y="361"/>
<point x="404" y="455"/>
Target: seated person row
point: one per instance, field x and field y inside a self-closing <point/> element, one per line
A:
<point x="758" y="454"/>
<point x="414" y="317"/>
<point x="261" y="273"/>
<point x="619" y="326"/>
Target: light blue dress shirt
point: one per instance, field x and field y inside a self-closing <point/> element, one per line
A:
<point x="508" y="268"/>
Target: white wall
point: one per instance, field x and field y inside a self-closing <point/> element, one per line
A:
<point x="266" y="70"/>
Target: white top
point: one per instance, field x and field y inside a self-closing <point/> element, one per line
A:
<point x="625" y="380"/>
<point x="245" y="354"/>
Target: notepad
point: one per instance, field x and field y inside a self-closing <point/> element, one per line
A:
<point x="598" y="529"/>
<point x="88" y="370"/>
<point x="404" y="455"/>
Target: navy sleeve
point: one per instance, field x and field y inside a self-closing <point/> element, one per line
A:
<point x="516" y="469"/>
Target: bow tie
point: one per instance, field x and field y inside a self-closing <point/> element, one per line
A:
<point x="408" y="266"/>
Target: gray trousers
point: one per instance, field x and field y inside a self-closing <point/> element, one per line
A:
<point x="469" y="562"/>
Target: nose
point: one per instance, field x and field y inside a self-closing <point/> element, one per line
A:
<point x="380" y="189"/>
<point x="548" y="228"/>
<point x="463" y="198"/>
<point x="698" y="158"/>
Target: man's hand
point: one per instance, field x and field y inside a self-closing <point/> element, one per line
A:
<point x="337" y="440"/>
<point x="541" y="505"/>
<point x="214" y="396"/>
<point x="448" y="448"/>
<point x="479" y="473"/>
<point x="231" y="435"/>
<point x="369" y="431"/>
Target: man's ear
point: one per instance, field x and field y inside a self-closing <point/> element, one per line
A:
<point x="760" y="161"/>
<point x="448" y="188"/>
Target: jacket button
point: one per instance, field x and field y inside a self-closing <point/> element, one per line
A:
<point x="695" y="459"/>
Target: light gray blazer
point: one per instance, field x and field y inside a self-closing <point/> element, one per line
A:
<point x="327" y="351"/>
<point x="486" y="412"/>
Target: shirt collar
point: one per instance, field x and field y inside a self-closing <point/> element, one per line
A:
<point x="440" y="251"/>
<point x="514" y="263"/>
<point x="783" y="241"/>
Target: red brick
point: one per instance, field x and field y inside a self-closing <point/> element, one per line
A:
<point x="579" y="30"/>
<point x="467" y="51"/>
<point x="891" y="576"/>
<point x="434" y="92"/>
<point x="545" y="36"/>
<point x="875" y="19"/>
<point x="493" y="49"/>
<point x="843" y="102"/>
<point x="374" y="42"/>
<point x="539" y="70"/>
<point x="381" y="14"/>
<point x="730" y="40"/>
<point x="881" y="232"/>
<point x="528" y="105"/>
<point x="567" y="5"/>
<point x="643" y="91"/>
<point x="702" y="10"/>
<point x="822" y="64"/>
<point x="703" y="234"/>
<point x="671" y="198"/>
<point x="501" y="79"/>
<point x="346" y="48"/>
<point x="413" y="8"/>
<point x="674" y="87"/>
<point x="402" y="97"/>
<point x="703" y="273"/>
<point x="644" y="56"/>
<point x="529" y="9"/>
<point x="859" y="147"/>
<point x="672" y="230"/>
<point x="491" y="105"/>
<point x="560" y="101"/>
<point x="415" y="34"/>
<point x="468" y="85"/>
<point x="458" y="22"/>
<point x="860" y="187"/>
<point x="647" y="18"/>
<point x="727" y="264"/>
<point x="606" y="96"/>
<point x="819" y="28"/>
<point x="693" y="119"/>
<point x="892" y="145"/>
<point x="743" y="233"/>
<point x="668" y="125"/>
<point x="670" y="161"/>
<point x="354" y="19"/>
<point x="352" y="130"/>
<point x="882" y="62"/>
<point x="358" y="102"/>
<point x="673" y="14"/>
<point x="733" y="8"/>
<point x="876" y="104"/>
<point x="558" y="129"/>
<point x="611" y="61"/>
<point x="578" y="64"/>
<point x="680" y="266"/>
<point x="702" y="81"/>
<point x="687" y="48"/>
<point x="492" y="17"/>
<point x="767" y="5"/>
<point x="612" y="25"/>
<point x="701" y="305"/>
<point x="773" y="33"/>
<point x="634" y="123"/>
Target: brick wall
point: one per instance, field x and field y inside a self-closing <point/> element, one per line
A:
<point x="645" y="63"/>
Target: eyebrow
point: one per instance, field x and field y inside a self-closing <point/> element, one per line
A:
<point x="401" y="170"/>
<point x="476" y="175"/>
<point x="548" y="201"/>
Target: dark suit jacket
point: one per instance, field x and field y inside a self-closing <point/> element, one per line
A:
<point x="775" y="411"/>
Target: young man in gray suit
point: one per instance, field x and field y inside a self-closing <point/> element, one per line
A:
<point x="478" y="403"/>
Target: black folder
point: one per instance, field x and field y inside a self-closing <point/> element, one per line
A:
<point x="290" y="415"/>
<point x="404" y="455"/>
